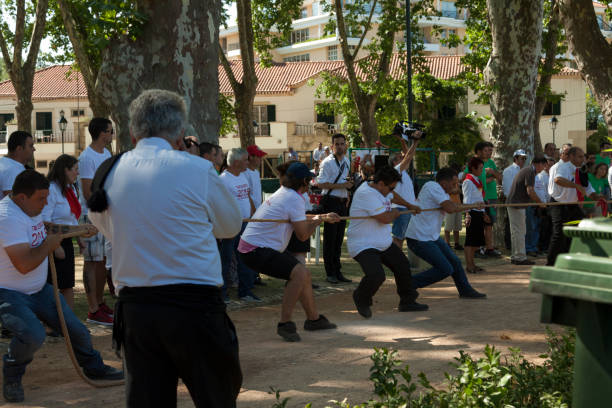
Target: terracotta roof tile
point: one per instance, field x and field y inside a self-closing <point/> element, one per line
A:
<point x="52" y="83"/>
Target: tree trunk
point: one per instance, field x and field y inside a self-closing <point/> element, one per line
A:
<point x="593" y="54"/>
<point x="550" y="49"/>
<point x="243" y="108"/>
<point x="366" y="108"/>
<point x="177" y="51"/>
<point x="512" y="71"/>
<point x="23" y="83"/>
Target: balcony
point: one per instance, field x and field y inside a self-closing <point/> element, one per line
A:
<point x="49" y="136"/>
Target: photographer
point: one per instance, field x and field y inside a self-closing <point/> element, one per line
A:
<point x="332" y="180"/>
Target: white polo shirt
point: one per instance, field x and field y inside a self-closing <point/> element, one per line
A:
<point x="541" y="186"/>
<point x="16" y="227"/>
<point x="165" y="209"/>
<point x="89" y="161"/>
<point x="509" y="174"/>
<point x="405" y="188"/>
<point x="329" y="170"/>
<point x="9" y="170"/>
<point x="561" y="194"/>
<point x="368" y="233"/>
<point x="426" y="226"/>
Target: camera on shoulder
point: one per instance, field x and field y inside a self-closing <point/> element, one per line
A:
<point x="409" y="130"/>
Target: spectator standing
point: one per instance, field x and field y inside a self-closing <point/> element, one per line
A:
<point x="522" y="220"/>
<point x="541" y="235"/>
<point x="599" y="182"/>
<point x="20" y="151"/>
<point x="604" y="154"/>
<point x="292" y="155"/>
<point x="252" y="173"/>
<point x="519" y="157"/>
<point x="94" y="270"/>
<point x="237" y="184"/>
<point x="550" y="150"/>
<point x="334" y="184"/>
<point x="475" y="220"/>
<point x="403" y="194"/>
<point x="213" y="153"/>
<point x="490" y="176"/>
<point x="318" y="154"/>
<point x="63" y="207"/>
<point x="165" y="209"/>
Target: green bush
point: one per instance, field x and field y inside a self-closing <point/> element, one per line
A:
<point x="485" y="382"/>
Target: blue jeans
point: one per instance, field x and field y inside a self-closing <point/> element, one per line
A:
<point x="400" y="224"/>
<point x="533" y="229"/>
<point x="21" y="314"/>
<point x="246" y="277"/>
<point x="444" y="263"/>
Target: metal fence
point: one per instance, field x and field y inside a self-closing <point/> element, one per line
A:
<point x="49" y="136"/>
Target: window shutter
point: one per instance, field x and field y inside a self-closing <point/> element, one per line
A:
<point x="271" y="113"/>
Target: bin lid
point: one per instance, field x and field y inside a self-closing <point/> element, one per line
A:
<point x="576" y="276"/>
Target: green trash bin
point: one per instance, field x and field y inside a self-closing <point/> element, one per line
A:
<point x="577" y="292"/>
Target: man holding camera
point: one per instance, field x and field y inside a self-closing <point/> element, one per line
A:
<point x="333" y="181"/>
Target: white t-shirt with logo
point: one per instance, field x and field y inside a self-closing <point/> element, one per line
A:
<point x="238" y="186"/>
<point x="405" y="188"/>
<point x="16" y="227"/>
<point x="368" y="233"/>
<point x="284" y="204"/>
<point x="426" y="225"/>
<point x="255" y="185"/>
<point x="9" y="170"/>
<point x="89" y="161"/>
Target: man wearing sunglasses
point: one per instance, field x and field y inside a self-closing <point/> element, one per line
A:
<point x="370" y="243"/>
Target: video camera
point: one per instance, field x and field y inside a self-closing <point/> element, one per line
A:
<point x="407" y="130"/>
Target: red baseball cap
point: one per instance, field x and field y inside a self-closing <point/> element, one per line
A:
<point x="253" y="150"/>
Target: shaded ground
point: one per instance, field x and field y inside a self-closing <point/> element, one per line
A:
<point x="334" y="364"/>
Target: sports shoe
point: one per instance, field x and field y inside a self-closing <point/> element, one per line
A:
<point x="341" y="278"/>
<point x="522" y="262"/>
<point x="104" y="307"/>
<point x="251" y="297"/>
<point x="332" y="279"/>
<point x="99" y="317"/>
<point x="12" y="391"/>
<point x="412" y="307"/>
<point x="493" y="253"/>
<point x="472" y="294"/>
<point x="480" y="253"/>
<point x="107" y="373"/>
<point x="363" y="310"/>
<point x="320" y="324"/>
<point x="288" y="332"/>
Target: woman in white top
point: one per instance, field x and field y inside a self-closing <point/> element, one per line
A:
<point x="475" y="220"/>
<point x="63" y="207"/>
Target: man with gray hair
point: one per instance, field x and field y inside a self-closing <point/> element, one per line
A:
<point x="164" y="209"/>
<point x="237" y="184"/>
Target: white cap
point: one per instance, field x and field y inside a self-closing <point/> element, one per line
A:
<point x="520" y="152"/>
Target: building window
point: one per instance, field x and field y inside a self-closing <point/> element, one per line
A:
<point x="552" y="108"/>
<point x="224" y="45"/>
<point x="263" y="115"/>
<point x="44" y="123"/>
<point x="297" y="58"/>
<point x="303" y="13"/>
<point x="233" y="46"/>
<point x="315" y="8"/>
<point x="41" y="164"/>
<point x="332" y="53"/>
<point x="449" y="9"/>
<point x="78" y="112"/>
<point x="299" y="36"/>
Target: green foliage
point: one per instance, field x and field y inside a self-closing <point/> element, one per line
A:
<point x="594" y="117"/>
<point x="272" y="25"/>
<point x="228" y="118"/>
<point x="3" y="73"/>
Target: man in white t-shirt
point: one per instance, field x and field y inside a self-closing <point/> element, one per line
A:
<point x="423" y="236"/>
<point x="25" y="296"/>
<point x="370" y="243"/>
<point x="252" y="173"/>
<point x="263" y="244"/>
<point x="236" y="182"/>
<point x="20" y="151"/>
<point x="213" y="153"/>
<point x="93" y="249"/>
<point x="318" y="153"/>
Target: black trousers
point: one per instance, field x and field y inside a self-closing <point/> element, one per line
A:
<point x="333" y="235"/>
<point x="178" y="331"/>
<point x="545" y="228"/>
<point x="559" y="215"/>
<point x="371" y="262"/>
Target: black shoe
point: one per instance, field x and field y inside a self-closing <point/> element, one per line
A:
<point x="12" y="391"/>
<point x="259" y="282"/>
<point x="107" y="373"/>
<point x="364" y="311"/>
<point x="493" y="253"/>
<point x="320" y="324"/>
<point x="332" y="279"/>
<point x="472" y="294"/>
<point x="341" y="278"/>
<point x="523" y="262"/>
<point x="315" y="286"/>
<point x="412" y="307"/>
<point x="288" y="332"/>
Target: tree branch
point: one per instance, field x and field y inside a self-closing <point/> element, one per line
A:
<point x="37" y="33"/>
<point x="228" y="70"/>
<point x="5" y="52"/>
<point x="365" y="31"/>
<point x="19" y="33"/>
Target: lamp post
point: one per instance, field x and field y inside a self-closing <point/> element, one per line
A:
<point x="553" y="125"/>
<point x="63" y="123"/>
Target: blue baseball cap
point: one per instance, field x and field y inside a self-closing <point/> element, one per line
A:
<point x="299" y="171"/>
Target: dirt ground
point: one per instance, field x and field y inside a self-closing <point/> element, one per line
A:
<point x="333" y="364"/>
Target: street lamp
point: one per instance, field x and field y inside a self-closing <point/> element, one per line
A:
<point x="63" y="123"/>
<point x="553" y="125"/>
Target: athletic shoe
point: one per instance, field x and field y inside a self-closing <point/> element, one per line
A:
<point x="480" y="253"/>
<point x="332" y="279"/>
<point x="523" y="262"/>
<point x="104" y="307"/>
<point x="288" y="332"/>
<point x="493" y="253"/>
<point x="412" y="307"/>
<point x="99" y="317"/>
<point x="107" y="373"/>
<point x="12" y="390"/>
<point x="320" y="324"/>
<point x="363" y="310"/>
<point x="251" y="298"/>
<point x="472" y="294"/>
<point x="341" y="278"/>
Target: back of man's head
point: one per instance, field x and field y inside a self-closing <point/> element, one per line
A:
<point x="207" y="148"/>
<point x="235" y="154"/>
<point x="539" y="159"/>
<point x="28" y="181"/>
<point x="158" y="113"/>
<point x="17" y="139"/>
<point x="97" y="126"/>
<point x="387" y="175"/>
<point x="445" y="174"/>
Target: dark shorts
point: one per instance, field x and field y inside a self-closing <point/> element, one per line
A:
<point x="491" y="211"/>
<point x="296" y="246"/>
<point x="64" y="267"/>
<point x="270" y="262"/>
<point x="474" y="236"/>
